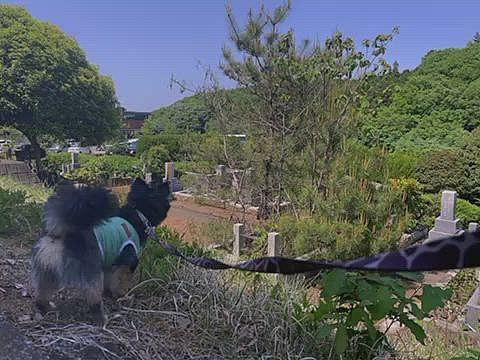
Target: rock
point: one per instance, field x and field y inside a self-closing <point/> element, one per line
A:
<point x="24" y="318"/>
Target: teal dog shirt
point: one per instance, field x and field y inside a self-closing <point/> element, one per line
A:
<point x="113" y="235"/>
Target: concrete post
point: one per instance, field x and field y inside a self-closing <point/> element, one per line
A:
<point x="472" y="227"/>
<point x="446" y="224"/>
<point x="274" y="244"/>
<point x="75" y="160"/>
<point x="238" y="240"/>
<point x="169" y="175"/>
<point x="169" y="171"/>
<point x="473" y="310"/>
<point x="148" y="178"/>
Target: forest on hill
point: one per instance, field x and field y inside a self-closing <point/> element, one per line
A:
<point x="434" y="106"/>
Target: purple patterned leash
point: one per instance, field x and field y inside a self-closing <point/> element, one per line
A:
<point x="455" y="252"/>
<point x="449" y="253"/>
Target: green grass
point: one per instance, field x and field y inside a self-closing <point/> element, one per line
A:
<point x="33" y="193"/>
<point x="442" y="343"/>
<point x="156" y="262"/>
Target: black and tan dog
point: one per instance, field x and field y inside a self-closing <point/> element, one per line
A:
<point x="89" y="243"/>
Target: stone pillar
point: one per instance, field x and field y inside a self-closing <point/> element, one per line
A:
<point x="446" y="224"/>
<point x="473" y="311"/>
<point x="472" y="227"/>
<point x="64" y="169"/>
<point x="221" y="170"/>
<point x="169" y="171"/>
<point x="274" y="244"/>
<point x="75" y="160"/>
<point x="170" y="176"/>
<point x="238" y="240"/>
<point x="148" y="177"/>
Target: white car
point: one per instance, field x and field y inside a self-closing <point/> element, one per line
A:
<point x="73" y="149"/>
<point x="98" y="150"/>
<point x="56" y="148"/>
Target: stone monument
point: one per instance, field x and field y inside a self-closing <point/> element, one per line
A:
<point x="446" y="224"/>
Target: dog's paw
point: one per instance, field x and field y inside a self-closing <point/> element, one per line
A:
<point x="97" y="314"/>
<point x="43" y="308"/>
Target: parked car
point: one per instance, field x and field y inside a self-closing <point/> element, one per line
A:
<point x="79" y="149"/>
<point x="57" y="148"/>
<point x="132" y="146"/>
<point x="98" y="150"/>
<point x="72" y="142"/>
<point x="117" y="149"/>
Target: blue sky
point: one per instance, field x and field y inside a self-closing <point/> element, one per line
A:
<point x="142" y="43"/>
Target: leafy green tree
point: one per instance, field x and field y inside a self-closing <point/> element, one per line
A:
<point x="171" y="142"/>
<point x="434" y="106"/>
<point x="154" y="159"/>
<point x="206" y="147"/>
<point x="190" y="113"/>
<point x="47" y="86"/>
<point x="451" y="170"/>
<point x="476" y="37"/>
<point x="194" y="113"/>
<point x="301" y="99"/>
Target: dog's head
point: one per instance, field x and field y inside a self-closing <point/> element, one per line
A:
<point x="152" y="201"/>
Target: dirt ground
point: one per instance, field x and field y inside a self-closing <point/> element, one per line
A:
<point x="183" y="214"/>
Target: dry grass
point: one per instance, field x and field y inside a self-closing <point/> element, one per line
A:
<point x="445" y="341"/>
<point x="196" y="315"/>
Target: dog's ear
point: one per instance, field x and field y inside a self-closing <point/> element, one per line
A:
<point x="139" y="184"/>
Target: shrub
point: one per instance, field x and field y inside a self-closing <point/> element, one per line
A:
<point x="34" y="193"/>
<point x="451" y="170"/>
<point x="465" y="211"/>
<point x="97" y="170"/>
<point x="402" y="164"/>
<point x="350" y="305"/>
<point x="19" y="217"/>
<point x="182" y="167"/>
<point x="171" y="142"/>
<point x="53" y="161"/>
<point x="208" y="147"/>
<point x="154" y="159"/>
<point x="156" y="262"/>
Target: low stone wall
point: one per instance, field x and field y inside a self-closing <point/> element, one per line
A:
<point x="207" y="201"/>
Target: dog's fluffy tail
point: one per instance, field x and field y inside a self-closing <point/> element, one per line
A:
<point x="72" y="208"/>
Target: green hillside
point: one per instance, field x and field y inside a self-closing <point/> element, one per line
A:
<point x="436" y="106"/>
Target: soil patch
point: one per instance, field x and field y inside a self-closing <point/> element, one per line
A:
<point x="183" y="214"/>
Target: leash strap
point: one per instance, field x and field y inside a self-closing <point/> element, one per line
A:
<point x="455" y="252"/>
